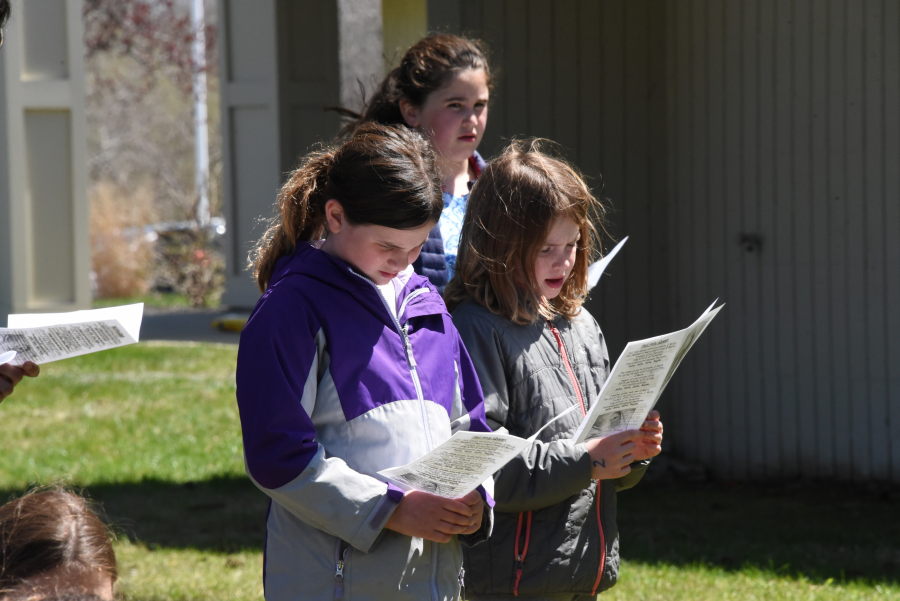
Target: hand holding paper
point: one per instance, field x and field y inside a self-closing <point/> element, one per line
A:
<point x="436" y="518"/>
<point x="45" y="337"/>
<point x="10" y="375"/>
<point x="611" y="457"/>
<point x="649" y="445"/>
<point x="638" y="379"/>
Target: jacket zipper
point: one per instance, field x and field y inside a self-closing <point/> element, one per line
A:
<point x="565" y="358"/>
<point x="520" y="556"/>
<point x="407" y="347"/>
<point x="340" y="562"/>
<point x="411" y="361"/>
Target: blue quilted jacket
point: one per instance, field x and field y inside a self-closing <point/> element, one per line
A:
<point x="431" y="262"/>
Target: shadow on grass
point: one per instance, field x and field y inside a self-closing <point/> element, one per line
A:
<point x="224" y="514"/>
<point x="844" y="532"/>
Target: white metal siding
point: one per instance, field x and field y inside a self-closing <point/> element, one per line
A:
<point x="590" y="76"/>
<point x="784" y="125"/>
<point x="718" y="124"/>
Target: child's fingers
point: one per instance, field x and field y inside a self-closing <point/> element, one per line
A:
<point x="458" y="507"/>
<point x="472" y="499"/>
<point x="652" y="426"/>
<point x="624" y="436"/>
<point x="455" y="519"/>
<point x="653" y="415"/>
<point x="652" y="437"/>
<point x="626" y="449"/>
<point x="31" y="369"/>
<point x="6" y="388"/>
<point x="11" y="373"/>
<point x="453" y="523"/>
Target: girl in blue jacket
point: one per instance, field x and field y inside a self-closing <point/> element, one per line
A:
<point x="348" y="365"/>
<point x="441" y="88"/>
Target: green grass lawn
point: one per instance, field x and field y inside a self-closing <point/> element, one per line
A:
<point x="166" y="300"/>
<point x="151" y="433"/>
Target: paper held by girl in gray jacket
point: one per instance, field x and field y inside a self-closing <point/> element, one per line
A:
<point x="638" y="379"/>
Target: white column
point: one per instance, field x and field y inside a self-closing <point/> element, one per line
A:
<point x="283" y="62"/>
<point x="44" y="240"/>
<point x="250" y="133"/>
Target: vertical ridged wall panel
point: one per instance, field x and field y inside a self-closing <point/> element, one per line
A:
<point x="784" y="196"/>
<point x="751" y="149"/>
<point x="590" y="76"/>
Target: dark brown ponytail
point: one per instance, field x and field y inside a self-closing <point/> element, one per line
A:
<point x="382" y="176"/>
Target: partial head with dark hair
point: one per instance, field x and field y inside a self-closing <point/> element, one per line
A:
<point x="427" y="66"/>
<point x="4" y="17"/>
<point x="523" y="201"/>
<point x="382" y="176"/>
<point x="52" y="543"/>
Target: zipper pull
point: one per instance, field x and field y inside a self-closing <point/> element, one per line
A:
<point x="519" y="567"/>
<point x="408" y="345"/>
<point x="339" y="580"/>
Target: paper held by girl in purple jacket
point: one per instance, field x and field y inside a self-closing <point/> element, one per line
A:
<point x="462" y="463"/>
<point x="638" y="379"/>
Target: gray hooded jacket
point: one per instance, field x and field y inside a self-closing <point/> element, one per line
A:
<point x="551" y="533"/>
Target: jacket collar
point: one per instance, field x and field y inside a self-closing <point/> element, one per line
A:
<point x="311" y="262"/>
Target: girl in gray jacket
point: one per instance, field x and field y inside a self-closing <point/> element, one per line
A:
<point x="527" y="239"/>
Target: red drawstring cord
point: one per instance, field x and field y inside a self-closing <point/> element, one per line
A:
<point x="602" y="544"/>
<point x="520" y="557"/>
<point x="565" y="358"/>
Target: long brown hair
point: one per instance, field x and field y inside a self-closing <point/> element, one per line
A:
<point x="381" y="176"/>
<point x="52" y="529"/>
<point x="510" y="211"/>
<point x="426" y="67"/>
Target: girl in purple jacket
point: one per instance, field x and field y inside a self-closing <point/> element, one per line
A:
<point x="349" y="365"/>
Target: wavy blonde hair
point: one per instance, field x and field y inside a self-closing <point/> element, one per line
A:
<point x="510" y="212"/>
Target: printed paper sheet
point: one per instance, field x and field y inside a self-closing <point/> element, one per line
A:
<point x="47" y="337"/>
<point x="638" y="380"/>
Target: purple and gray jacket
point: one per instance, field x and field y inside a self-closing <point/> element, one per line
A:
<point x="331" y="389"/>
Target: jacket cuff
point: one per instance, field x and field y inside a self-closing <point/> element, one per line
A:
<point x="488" y="499"/>
<point x="638" y="469"/>
<point x="487" y="522"/>
<point x="384" y="509"/>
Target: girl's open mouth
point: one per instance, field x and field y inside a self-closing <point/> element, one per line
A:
<point x="555" y="282"/>
<point x="468" y="138"/>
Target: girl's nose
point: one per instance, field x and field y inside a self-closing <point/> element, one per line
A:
<point x="399" y="260"/>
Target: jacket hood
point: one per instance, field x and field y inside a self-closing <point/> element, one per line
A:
<point x="310" y="261"/>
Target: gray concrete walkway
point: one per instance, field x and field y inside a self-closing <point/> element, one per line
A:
<point x="187" y="325"/>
